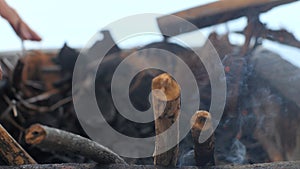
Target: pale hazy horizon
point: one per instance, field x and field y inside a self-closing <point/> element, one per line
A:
<point x="75" y="22"/>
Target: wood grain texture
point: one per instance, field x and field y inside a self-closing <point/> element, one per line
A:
<point x="59" y="140"/>
<point x="166" y="106"/>
<point x="11" y="151"/>
<point x="204" y="152"/>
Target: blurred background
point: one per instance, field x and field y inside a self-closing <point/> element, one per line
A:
<point x="75" y="22"/>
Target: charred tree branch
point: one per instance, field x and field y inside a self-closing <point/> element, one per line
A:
<point x="59" y="140"/>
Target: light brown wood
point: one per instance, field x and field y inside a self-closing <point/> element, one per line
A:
<point x="54" y="139"/>
<point x="166" y="106"/>
<point x="204" y="152"/>
<point x="11" y="152"/>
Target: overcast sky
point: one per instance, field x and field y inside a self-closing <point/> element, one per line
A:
<point x="76" y="21"/>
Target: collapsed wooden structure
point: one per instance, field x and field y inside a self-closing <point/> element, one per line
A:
<point x="260" y="113"/>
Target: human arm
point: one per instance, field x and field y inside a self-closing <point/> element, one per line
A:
<point x="19" y="26"/>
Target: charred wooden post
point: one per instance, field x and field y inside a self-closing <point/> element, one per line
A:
<point x="11" y="151"/>
<point x="251" y="28"/>
<point x="59" y="140"/>
<point x="166" y="106"/>
<point x="235" y="68"/>
<point x="204" y="152"/>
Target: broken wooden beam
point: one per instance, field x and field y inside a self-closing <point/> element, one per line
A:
<point x="59" y="140"/>
<point x="166" y="107"/>
<point x="214" y="13"/>
<point x="11" y="152"/>
<point x="281" y="36"/>
<point x="204" y="152"/>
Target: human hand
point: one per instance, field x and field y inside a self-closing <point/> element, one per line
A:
<point x="24" y="31"/>
<point x="20" y="27"/>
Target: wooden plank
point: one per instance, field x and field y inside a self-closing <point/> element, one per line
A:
<point x="214" y="13"/>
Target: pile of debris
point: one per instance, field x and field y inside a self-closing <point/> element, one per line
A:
<point x="259" y="123"/>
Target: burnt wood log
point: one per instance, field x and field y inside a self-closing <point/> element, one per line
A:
<point x="59" y="140"/>
<point x="204" y="152"/>
<point x="166" y="106"/>
<point x="11" y="152"/>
